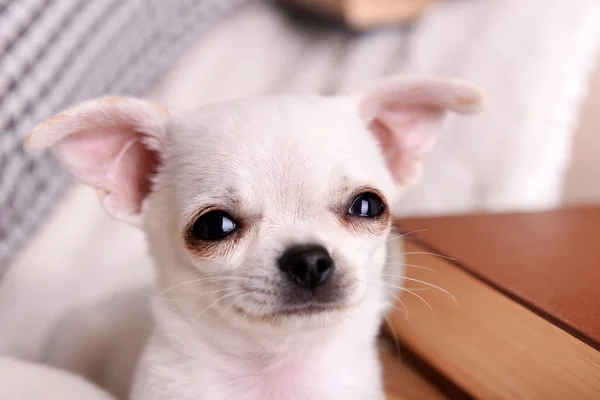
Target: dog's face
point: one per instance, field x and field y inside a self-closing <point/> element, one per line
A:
<point x="280" y="205"/>
<point x="269" y="210"/>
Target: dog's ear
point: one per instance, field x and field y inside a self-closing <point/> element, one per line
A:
<point x="112" y="144"/>
<point x="405" y="115"/>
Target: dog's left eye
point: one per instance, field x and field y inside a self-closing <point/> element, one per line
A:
<point x="367" y="205"/>
<point x="213" y="225"/>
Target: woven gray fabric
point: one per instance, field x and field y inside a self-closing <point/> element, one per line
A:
<point x="54" y="53"/>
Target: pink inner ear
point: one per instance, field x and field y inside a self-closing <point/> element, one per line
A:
<point x="115" y="161"/>
<point x="405" y="136"/>
<point x="405" y="114"/>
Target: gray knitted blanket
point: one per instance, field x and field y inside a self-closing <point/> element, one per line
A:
<point x="54" y="53"/>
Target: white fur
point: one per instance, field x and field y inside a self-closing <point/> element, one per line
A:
<point x="291" y="166"/>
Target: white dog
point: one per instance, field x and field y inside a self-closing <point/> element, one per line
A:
<point x="268" y="223"/>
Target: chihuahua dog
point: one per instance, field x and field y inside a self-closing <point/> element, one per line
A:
<point x="268" y="223"/>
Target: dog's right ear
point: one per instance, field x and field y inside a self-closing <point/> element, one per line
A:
<point x="405" y="114"/>
<point x="112" y="144"/>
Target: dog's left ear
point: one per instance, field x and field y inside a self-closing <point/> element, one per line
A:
<point x="112" y="144"/>
<point x="405" y="115"/>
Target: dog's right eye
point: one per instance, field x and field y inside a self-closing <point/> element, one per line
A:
<point x="367" y="205"/>
<point x="214" y="225"/>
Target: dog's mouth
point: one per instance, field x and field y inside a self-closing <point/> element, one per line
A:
<point x="296" y="312"/>
<point x="309" y="310"/>
<point x="272" y="301"/>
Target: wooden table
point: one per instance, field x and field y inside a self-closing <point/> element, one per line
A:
<point x="526" y="324"/>
<point x="402" y="381"/>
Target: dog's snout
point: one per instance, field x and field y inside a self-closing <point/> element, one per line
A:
<point x="309" y="266"/>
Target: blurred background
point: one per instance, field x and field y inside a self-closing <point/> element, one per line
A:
<point x="535" y="147"/>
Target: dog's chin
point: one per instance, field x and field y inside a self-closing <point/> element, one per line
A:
<point x="295" y="307"/>
<point x="306" y="315"/>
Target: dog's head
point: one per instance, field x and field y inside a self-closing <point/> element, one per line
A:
<point x="269" y="210"/>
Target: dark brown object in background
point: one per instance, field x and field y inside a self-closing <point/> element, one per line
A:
<point x="365" y="14"/>
<point x="527" y="322"/>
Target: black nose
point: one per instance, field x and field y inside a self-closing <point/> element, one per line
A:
<point x="308" y="265"/>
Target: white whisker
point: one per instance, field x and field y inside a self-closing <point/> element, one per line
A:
<point x="215" y="302"/>
<point x="241" y="296"/>
<point x="420" y="289"/>
<point x="421" y="253"/>
<point x="414" y="294"/>
<point x="410" y="265"/>
<point x="399" y="300"/>
<point x="183" y="302"/>
<point x="405" y="234"/>
<point x="213" y="278"/>
<point x="425" y="283"/>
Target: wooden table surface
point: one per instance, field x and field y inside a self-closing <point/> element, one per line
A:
<point x="401" y="381"/>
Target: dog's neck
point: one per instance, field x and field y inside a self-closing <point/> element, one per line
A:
<point x="212" y="353"/>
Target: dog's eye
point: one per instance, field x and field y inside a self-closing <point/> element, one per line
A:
<point x="367" y="205"/>
<point x="213" y="225"/>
